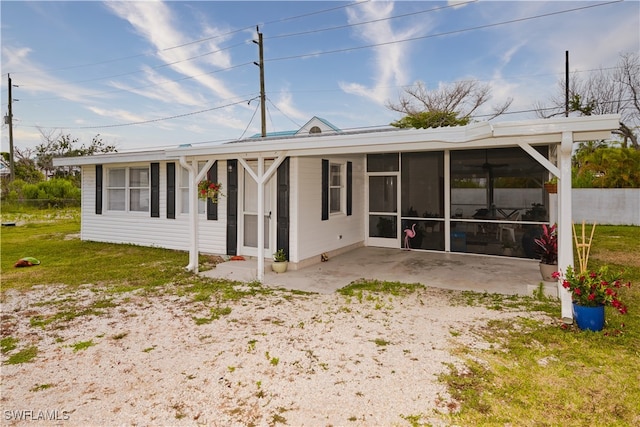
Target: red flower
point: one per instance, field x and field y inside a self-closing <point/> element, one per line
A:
<point x="591" y="296"/>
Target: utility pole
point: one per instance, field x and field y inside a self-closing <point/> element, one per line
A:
<point x="10" y="123"/>
<point x="263" y="107"/>
<point x="566" y="83"/>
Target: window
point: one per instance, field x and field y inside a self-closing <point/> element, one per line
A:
<point x="184" y="191"/>
<point x="336" y="187"/>
<point x="315" y="129"/>
<point x="128" y="189"/>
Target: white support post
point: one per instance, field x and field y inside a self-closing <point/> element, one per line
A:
<point x="260" y="218"/>
<point x="447" y="201"/>
<point x="565" y="242"/>
<point x="261" y="178"/>
<point x="194" y="178"/>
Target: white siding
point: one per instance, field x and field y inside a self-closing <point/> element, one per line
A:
<point x="141" y="229"/>
<point x="310" y="236"/>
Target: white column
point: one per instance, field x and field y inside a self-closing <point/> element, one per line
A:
<point x="565" y="227"/>
<point x="261" y="182"/>
<point x="447" y="201"/>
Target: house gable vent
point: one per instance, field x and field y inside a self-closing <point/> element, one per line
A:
<point x="315" y="129"/>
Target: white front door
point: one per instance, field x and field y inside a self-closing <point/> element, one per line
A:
<point x="249" y="206"/>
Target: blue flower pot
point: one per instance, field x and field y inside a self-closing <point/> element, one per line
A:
<point x="590" y="318"/>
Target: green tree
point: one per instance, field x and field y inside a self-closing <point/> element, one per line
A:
<point x="608" y="167"/>
<point x="431" y="119"/>
<point x="65" y="146"/>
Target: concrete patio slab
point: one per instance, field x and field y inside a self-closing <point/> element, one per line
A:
<point x="478" y="273"/>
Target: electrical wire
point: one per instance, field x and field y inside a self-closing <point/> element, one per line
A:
<point x="446" y="33"/>
<point x="158" y="119"/>
<point x="251" y="120"/>
<point x="340" y="27"/>
<point x="285" y="115"/>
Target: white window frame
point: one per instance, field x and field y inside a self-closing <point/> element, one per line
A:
<point x="184" y="188"/>
<point x="341" y="188"/>
<point x="127" y="188"/>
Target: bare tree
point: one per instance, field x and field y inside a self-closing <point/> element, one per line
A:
<point x="461" y="99"/>
<point x="56" y="144"/>
<point x="606" y="91"/>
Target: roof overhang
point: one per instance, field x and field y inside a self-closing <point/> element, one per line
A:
<point x="475" y="135"/>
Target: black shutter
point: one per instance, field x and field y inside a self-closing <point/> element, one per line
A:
<point x="232" y="207"/>
<point x="349" y="188"/>
<point x="325" y="189"/>
<point x="155" y="190"/>
<point x="171" y="190"/>
<point x="282" y="218"/>
<point x="98" y="189"/>
<point x="212" y="208"/>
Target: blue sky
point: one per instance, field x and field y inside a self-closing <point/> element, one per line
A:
<point x="159" y="74"/>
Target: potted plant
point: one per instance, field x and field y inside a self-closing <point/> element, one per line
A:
<point x="547" y="249"/>
<point x="552" y="185"/>
<point x="280" y="263"/>
<point x="590" y="292"/>
<point x="209" y="190"/>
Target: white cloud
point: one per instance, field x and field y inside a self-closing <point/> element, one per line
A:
<point x="286" y="106"/>
<point x="391" y="61"/>
<point x="153" y="21"/>
<point x="117" y="115"/>
<point x="33" y="78"/>
<point x="164" y="90"/>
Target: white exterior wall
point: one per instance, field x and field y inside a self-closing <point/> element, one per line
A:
<point x="310" y="236"/>
<point x="139" y="228"/>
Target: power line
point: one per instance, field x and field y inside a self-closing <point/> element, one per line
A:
<point x="281" y="112"/>
<point x="151" y="85"/>
<point x="228" y="33"/>
<point x="446" y="33"/>
<point x="339" y="27"/>
<point x="337" y="50"/>
<point x="155" y="120"/>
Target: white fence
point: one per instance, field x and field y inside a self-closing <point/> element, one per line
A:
<point x="615" y="206"/>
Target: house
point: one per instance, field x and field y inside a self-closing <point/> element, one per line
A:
<point x="5" y="169"/>
<point x="459" y="189"/>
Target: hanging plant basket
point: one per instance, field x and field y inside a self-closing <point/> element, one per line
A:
<point x="209" y="190"/>
<point x="552" y="188"/>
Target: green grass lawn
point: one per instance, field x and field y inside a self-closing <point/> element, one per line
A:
<point x="536" y="373"/>
<point x="65" y="259"/>
<point x="551" y="375"/>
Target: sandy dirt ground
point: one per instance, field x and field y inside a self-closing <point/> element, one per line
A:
<point x="278" y="359"/>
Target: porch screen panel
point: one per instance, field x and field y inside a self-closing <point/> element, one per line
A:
<point x="383" y="194"/>
<point x="422" y="197"/>
<point x="383" y="198"/>
<point x="497" y="201"/>
<point x="386" y="162"/>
